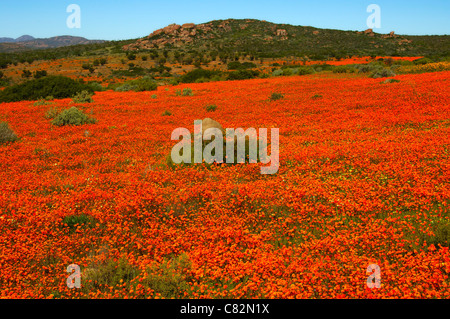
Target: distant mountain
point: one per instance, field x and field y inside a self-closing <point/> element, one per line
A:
<point x="25" y="38"/>
<point x="27" y="42"/>
<point x="19" y="39"/>
<point x="266" y="39"/>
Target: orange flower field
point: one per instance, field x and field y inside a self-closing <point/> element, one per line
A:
<point x="363" y="179"/>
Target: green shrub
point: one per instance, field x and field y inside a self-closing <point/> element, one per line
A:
<point x="72" y="116"/>
<point x="422" y="61"/>
<point x="305" y="70"/>
<point x="187" y="92"/>
<point x="241" y="66"/>
<point x="390" y="81"/>
<point x="110" y="273"/>
<point x="211" y="108"/>
<point x="367" y="68"/>
<point x="51" y="113"/>
<point x="57" y="86"/>
<point x="171" y="278"/>
<point x="166" y="113"/>
<point x="243" y="75"/>
<point x="195" y="75"/>
<point x="96" y="87"/>
<point x="82" y="221"/>
<point x="39" y="74"/>
<point x="383" y="73"/>
<point x="276" y="96"/>
<point x="289" y="71"/>
<point x="7" y="135"/>
<point x="442" y="235"/>
<point x="83" y="97"/>
<point x="139" y="85"/>
<point x="344" y="69"/>
<point x="278" y="72"/>
<point x="42" y="102"/>
<point x="154" y="96"/>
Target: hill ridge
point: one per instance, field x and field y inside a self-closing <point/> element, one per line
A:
<point x="284" y="39"/>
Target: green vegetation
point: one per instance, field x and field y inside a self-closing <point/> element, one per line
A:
<point x="51" y="113"/>
<point x="211" y="108"/>
<point x="7" y="135"/>
<point x="82" y="221"/>
<point x="276" y="96"/>
<point x="83" y="97"/>
<point x="243" y="75"/>
<point x="442" y="235"/>
<point x="110" y="273"/>
<point x="57" y="86"/>
<point x="199" y="75"/>
<point x="42" y="101"/>
<point x="185" y="92"/>
<point x="72" y="116"/>
<point x="241" y="66"/>
<point x="384" y="73"/>
<point x="138" y="85"/>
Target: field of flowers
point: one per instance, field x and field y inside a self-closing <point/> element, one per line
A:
<point x="363" y="179"/>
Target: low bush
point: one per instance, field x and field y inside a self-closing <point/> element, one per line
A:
<point x="344" y="69"/>
<point x="57" y="86"/>
<point x="211" y="108"/>
<point x="276" y="96"/>
<point x="383" y="73"/>
<point x="243" y="75"/>
<point x="241" y="66"/>
<point x="83" y="97"/>
<point x="72" y="116"/>
<point x="185" y="92"/>
<point x="197" y="74"/>
<point x="81" y="221"/>
<point x="139" y="85"/>
<point x="51" y="113"/>
<point x="7" y="135"/>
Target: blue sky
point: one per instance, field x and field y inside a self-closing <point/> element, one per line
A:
<point x="120" y="19"/>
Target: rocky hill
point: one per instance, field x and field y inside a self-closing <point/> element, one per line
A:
<point x="270" y="39"/>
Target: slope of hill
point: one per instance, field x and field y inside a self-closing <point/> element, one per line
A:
<point x="29" y="43"/>
<point x="19" y="39"/>
<point x="266" y="39"/>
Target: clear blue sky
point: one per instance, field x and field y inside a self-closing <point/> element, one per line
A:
<point x="121" y="19"/>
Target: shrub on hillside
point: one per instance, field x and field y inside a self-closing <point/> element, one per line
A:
<point x="96" y="87"/>
<point x="7" y="135"/>
<point x="211" y="108"/>
<point x="83" y="97"/>
<point x="243" y="75"/>
<point x="241" y="66"/>
<point x="57" y="86"/>
<point x="276" y="96"/>
<point x="72" y="116"/>
<point x="51" y="113"/>
<point x="139" y="85"/>
<point x="197" y="74"/>
<point x="383" y="73"/>
<point x="442" y="235"/>
<point x="344" y="69"/>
